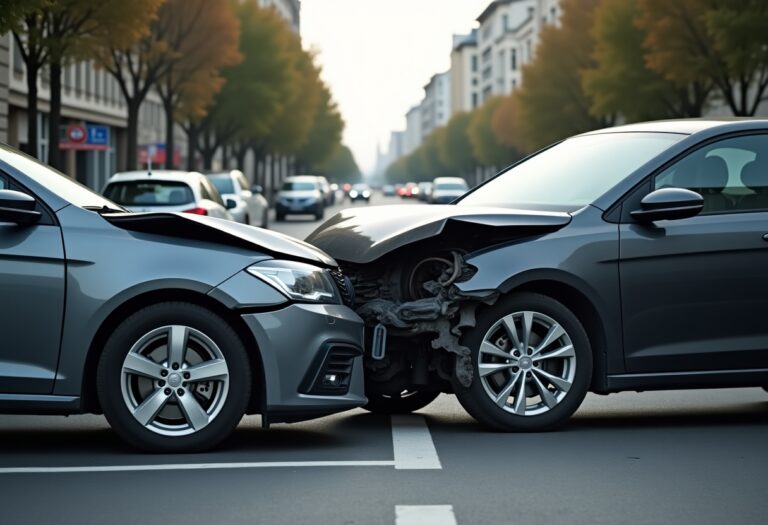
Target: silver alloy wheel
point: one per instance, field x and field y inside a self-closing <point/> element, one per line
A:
<point x="174" y="380"/>
<point x="527" y="363"/>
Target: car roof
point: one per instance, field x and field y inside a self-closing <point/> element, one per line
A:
<point x="449" y="179"/>
<point x="301" y="178"/>
<point x="685" y="126"/>
<point x="168" y="175"/>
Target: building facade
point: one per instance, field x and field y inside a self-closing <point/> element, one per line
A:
<point x="413" y="130"/>
<point x="465" y="73"/>
<point x="436" y="106"/>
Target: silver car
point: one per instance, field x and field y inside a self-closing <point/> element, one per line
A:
<point x="251" y="206"/>
<point x="173" y="325"/>
<point x="167" y="191"/>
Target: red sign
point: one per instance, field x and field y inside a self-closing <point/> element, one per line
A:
<point x="76" y="134"/>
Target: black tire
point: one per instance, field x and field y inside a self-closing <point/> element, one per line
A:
<point x="403" y="403"/>
<point x="478" y="403"/>
<point x="110" y="378"/>
<point x="247" y="220"/>
<point x="320" y="213"/>
<point x="279" y="217"/>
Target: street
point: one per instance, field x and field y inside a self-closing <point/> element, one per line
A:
<point x="696" y="456"/>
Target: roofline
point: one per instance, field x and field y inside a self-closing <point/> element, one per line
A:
<point x="491" y="8"/>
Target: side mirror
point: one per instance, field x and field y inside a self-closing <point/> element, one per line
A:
<point x="669" y="204"/>
<point x="231" y="204"/>
<point x="258" y="190"/>
<point x="18" y="207"/>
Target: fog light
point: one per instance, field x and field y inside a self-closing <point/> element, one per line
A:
<point x="331" y="380"/>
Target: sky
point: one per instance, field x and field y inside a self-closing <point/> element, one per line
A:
<point x="377" y="56"/>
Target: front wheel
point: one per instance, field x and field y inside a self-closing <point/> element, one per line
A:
<point x="532" y="365"/>
<point x="174" y="377"/>
<point x="402" y="403"/>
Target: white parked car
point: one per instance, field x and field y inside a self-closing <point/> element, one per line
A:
<point x="447" y="189"/>
<point x="252" y="208"/>
<point x="167" y="190"/>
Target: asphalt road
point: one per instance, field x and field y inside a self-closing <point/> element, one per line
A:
<point x="691" y="457"/>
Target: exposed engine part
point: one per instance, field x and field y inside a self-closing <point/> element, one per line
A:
<point x="435" y="306"/>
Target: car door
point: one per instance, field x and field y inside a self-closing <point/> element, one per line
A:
<point x="695" y="291"/>
<point x="32" y="286"/>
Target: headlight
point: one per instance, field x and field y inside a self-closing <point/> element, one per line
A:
<point x="366" y="194"/>
<point x="298" y="281"/>
<point x="353" y="194"/>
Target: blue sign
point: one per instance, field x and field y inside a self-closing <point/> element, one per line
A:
<point x="97" y="135"/>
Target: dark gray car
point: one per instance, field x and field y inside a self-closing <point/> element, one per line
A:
<point x="632" y="258"/>
<point x="172" y="325"/>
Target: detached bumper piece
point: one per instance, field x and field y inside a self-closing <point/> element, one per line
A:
<point x="331" y="373"/>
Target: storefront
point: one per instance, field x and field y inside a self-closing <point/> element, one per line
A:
<point x="90" y="152"/>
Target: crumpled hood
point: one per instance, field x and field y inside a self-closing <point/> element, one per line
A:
<point x="220" y="231"/>
<point x="362" y="235"/>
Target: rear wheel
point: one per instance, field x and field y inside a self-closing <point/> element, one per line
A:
<point x="404" y="402"/>
<point x="174" y="377"/>
<point x="320" y="213"/>
<point x="532" y="365"/>
<point x="279" y="217"/>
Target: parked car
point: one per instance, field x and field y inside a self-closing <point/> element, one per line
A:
<point x="167" y="191"/>
<point x="173" y="325"/>
<point x="329" y="196"/>
<point x="300" y="195"/>
<point x="409" y="191"/>
<point x="388" y="190"/>
<point x="425" y="191"/>
<point x="252" y="208"/>
<point x="447" y="189"/>
<point x="631" y="258"/>
<point x="360" y="192"/>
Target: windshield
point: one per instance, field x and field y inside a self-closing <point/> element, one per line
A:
<point x="149" y="193"/>
<point x="58" y="183"/>
<point x="223" y="183"/>
<point x="299" y="186"/>
<point x="573" y="173"/>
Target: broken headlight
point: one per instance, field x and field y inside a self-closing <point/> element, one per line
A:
<point x="298" y="281"/>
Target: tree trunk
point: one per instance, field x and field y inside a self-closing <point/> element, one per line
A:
<point x="169" y="138"/>
<point x="32" y="72"/>
<point x="192" y="137"/>
<point x="240" y="151"/>
<point x="54" y="118"/>
<point x="132" y="153"/>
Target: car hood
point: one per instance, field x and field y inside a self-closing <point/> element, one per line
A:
<point x="361" y="236"/>
<point x="220" y="231"/>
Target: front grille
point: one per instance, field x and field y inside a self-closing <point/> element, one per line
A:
<point x="333" y="375"/>
<point x="344" y="285"/>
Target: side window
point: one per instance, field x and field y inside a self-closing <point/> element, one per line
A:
<point x="3" y="183"/>
<point x="243" y="182"/>
<point x="210" y="193"/>
<point x="731" y="174"/>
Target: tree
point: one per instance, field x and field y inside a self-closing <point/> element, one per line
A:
<point x="505" y="122"/>
<point x="552" y="101"/>
<point x="487" y="147"/>
<point x="428" y="155"/>
<point x="454" y="148"/>
<point x="621" y="82"/>
<point x="724" y="42"/>
<point x="324" y="137"/>
<point x="73" y="28"/>
<point x="340" y="166"/>
<point x="24" y="18"/>
<point x="202" y="38"/>
<point x="397" y="172"/>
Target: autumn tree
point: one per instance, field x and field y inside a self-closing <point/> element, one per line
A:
<point x="724" y="42"/>
<point x="324" y="136"/>
<point x="454" y="148"/>
<point x="202" y="38"/>
<point x="486" y="146"/>
<point x="621" y="82"/>
<point x="340" y="166"/>
<point x="553" y="104"/>
<point x="505" y="122"/>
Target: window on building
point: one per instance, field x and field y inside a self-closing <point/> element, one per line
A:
<point x="78" y="78"/>
<point x="487" y="54"/>
<point x="504" y="23"/>
<point x="475" y="100"/>
<point x="513" y="59"/>
<point x="69" y="79"/>
<point x="553" y="14"/>
<point x="529" y="50"/>
<point x="487" y="93"/>
<point x="88" y="79"/>
<point x="474" y="81"/>
<point x="18" y="60"/>
<point x="474" y="64"/>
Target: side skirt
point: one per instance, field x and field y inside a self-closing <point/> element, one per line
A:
<point x="687" y="380"/>
<point x="39" y="404"/>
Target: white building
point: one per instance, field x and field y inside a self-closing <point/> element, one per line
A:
<point x="465" y="73"/>
<point x="436" y="106"/>
<point x="413" y="130"/>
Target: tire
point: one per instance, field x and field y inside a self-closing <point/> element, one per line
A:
<point x="279" y="217"/>
<point x="565" y="376"/>
<point x="247" y="220"/>
<point x="193" y="415"/>
<point x="320" y="213"/>
<point x="404" y="403"/>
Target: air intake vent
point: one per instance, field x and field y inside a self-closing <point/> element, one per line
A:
<point x="332" y="376"/>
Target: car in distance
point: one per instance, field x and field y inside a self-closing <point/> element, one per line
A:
<point x="167" y="191"/>
<point x="252" y="208"/>
<point x="300" y="195"/>
<point x="329" y="196"/>
<point x="425" y="191"/>
<point x="409" y="191"/>
<point x="388" y="190"/>
<point x="631" y="258"/>
<point x="173" y="325"/>
<point x="360" y="192"/>
<point x="447" y="189"/>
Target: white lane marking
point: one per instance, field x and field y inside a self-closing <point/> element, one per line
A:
<point x="193" y="466"/>
<point x="413" y="443"/>
<point x="424" y="515"/>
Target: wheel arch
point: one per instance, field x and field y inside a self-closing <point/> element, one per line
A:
<point x="90" y="401"/>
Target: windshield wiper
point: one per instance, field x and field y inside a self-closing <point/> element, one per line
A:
<point x="105" y="209"/>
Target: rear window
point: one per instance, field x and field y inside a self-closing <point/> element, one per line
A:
<point x="450" y="186"/>
<point x="299" y="186"/>
<point x="149" y="193"/>
<point x="224" y="184"/>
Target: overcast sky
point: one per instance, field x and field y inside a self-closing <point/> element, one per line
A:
<point x="377" y="55"/>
